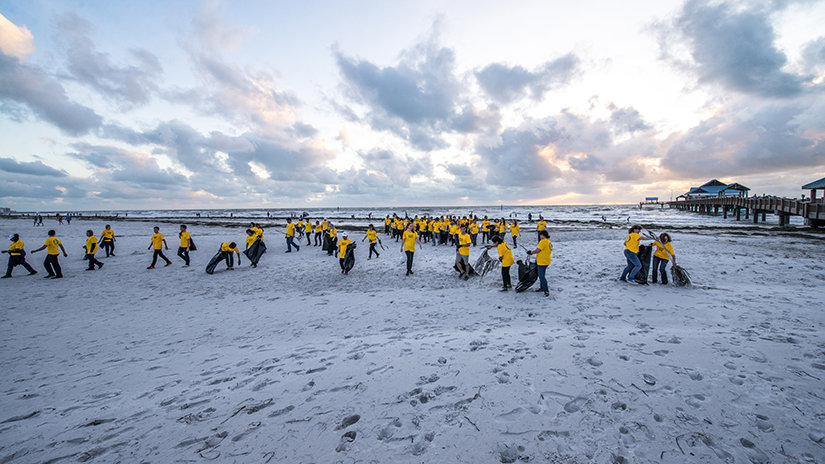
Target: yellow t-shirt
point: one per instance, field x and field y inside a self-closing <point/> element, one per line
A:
<point x="660" y="250"/>
<point x="454" y="229"/>
<point x="91" y="245"/>
<point x="632" y="242"/>
<point x="16" y="248"/>
<point x="333" y="232"/>
<point x="409" y="240"/>
<point x="387" y="221"/>
<point x="250" y="239"/>
<point x="308" y="227"/>
<point x="502" y="228"/>
<point x="474" y="228"/>
<point x="371" y="235"/>
<point x="290" y="230"/>
<point x="464" y="242"/>
<point x="505" y="254"/>
<point x="485" y="225"/>
<point x="514" y="230"/>
<point x="323" y="226"/>
<point x="157" y="241"/>
<point x="399" y="224"/>
<point x="258" y="231"/>
<point x="342" y="247"/>
<point x="107" y="234"/>
<point x="52" y="244"/>
<point x="436" y="227"/>
<point x="226" y="247"/>
<point x="299" y="225"/>
<point x="541" y="225"/>
<point x="545" y="250"/>
<point x="184" y="239"/>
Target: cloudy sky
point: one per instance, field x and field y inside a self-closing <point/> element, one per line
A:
<point x="159" y="104"/>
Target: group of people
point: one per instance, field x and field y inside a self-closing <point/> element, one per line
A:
<point x="460" y="232"/>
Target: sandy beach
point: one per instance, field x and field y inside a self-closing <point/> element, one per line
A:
<point x="294" y="362"/>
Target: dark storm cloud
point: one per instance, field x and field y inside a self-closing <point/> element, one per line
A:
<point x="419" y="99"/>
<point x="769" y="138"/>
<point x="506" y="84"/>
<point x="32" y="168"/>
<point x="27" y="85"/>
<point x="735" y="48"/>
<point x="128" y="84"/>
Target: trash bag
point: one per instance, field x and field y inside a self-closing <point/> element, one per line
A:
<point x="644" y="254"/>
<point x="213" y="263"/>
<point x="528" y="273"/>
<point x="349" y="257"/>
<point x="255" y="251"/>
<point x="486" y="263"/>
<point x="326" y="242"/>
<point x="680" y="276"/>
<point x="192" y="246"/>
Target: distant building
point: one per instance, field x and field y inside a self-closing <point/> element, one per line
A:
<point x="813" y="187"/>
<point x="714" y="189"/>
<point x="5" y="211"/>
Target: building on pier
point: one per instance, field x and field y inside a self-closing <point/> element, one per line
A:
<point x="715" y="189"/>
<point x="813" y="187"/>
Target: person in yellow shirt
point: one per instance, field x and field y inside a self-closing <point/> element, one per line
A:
<point x="408" y="246"/>
<point x="107" y="240"/>
<point x="543" y="253"/>
<point x="473" y="229"/>
<point x="183" y="249"/>
<point x="308" y="231"/>
<point x="462" y="255"/>
<point x="257" y="229"/>
<point x="158" y="243"/>
<point x="372" y="235"/>
<point x="251" y="237"/>
<point x="399" y="229"/>
<point x="514" y="229"/>
<point x="342" y="251"/>
<point x="542" y="225"/>
<point x="91" y="249"/>
<point x="55" y="246"/>
<point x="505" y="255"/>
<point x="631" y="248"/>
<point x="227" y="248"/>
<point x="17" y="256"/>
<point x="485" y="230"/>
<point x="318" y="231"/>
<point x="664" y="250"/>
<point x="290" y="237"/>
<point x="387" y="222"/>
<point x="332" y="236"/>
<point x="299" y="228"/>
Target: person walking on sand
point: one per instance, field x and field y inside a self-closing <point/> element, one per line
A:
<point x="342" y="251"/>
<point x="514" y="229"/>
<point x="290" y="237"/>
<point x="631" y="250"/>
<point x="505" y="256"/>
<point x="318" y="231"/>
<point x="91" y="249"/>
<point x="183" y="249"/>
<point x="17" y="256"/>
<point x="664" y="250"/>
<point x="542" y="225"/>
<point x="408" y="246"/>
<point x="158" y="243"/>
<point x="107" y="240"/>
<point x="308" y="231"/>
<point x="462" y="253"/>
<point x="543" y="254"/>
<point x="52" y="265"/>
<point x="372" y="235"/>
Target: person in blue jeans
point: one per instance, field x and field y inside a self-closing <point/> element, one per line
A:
<point x="543" y="254"/>
<point x="631" y="250"/>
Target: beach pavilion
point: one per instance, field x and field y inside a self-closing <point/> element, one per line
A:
<point x="813" y="187"/>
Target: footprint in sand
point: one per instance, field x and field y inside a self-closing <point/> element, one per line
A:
<point x="575" y="404"/>
<point x="346" y="439"/>
<point x="347" y="421"/>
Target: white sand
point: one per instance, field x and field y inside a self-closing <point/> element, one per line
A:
<point x="264" y="365"/>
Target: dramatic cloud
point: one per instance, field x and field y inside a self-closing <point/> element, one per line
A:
<point x="420" y="99"/>
<point x="505" y="84"/>
<point x="44" y="96"/>
<point x="397" y="169"/>
<point x="628" y="120"/>
<point x="736" y="48"/>
<point x="16" y="41"/>
<point x="33" y="168"/>
<point x="128" y="84"/>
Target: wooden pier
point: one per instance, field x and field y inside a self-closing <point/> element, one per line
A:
<point x="783" y="208"/>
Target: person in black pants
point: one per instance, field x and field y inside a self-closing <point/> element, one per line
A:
<point x="91" y="249"/>
<point x="55" y="246"/>
<point x="17" y="256"/>
<point x="158" y="242"/>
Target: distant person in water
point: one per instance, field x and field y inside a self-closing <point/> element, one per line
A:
<point x="55" y="246"/>
<point x="158" y="243"/>
<point x="17" y="256"/>
<point x="91" y="249"/>
<point x="107" y="240"/>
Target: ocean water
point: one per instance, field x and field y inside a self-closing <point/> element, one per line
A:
<point x="558" y="216"/>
